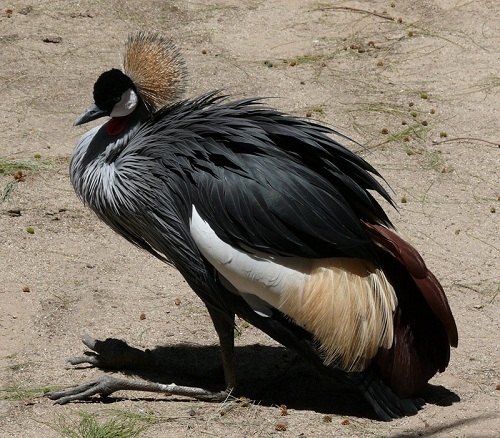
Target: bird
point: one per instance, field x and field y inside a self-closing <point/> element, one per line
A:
<point x="268" y="217"/>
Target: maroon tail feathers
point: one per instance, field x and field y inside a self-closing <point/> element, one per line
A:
<point x="424" y="327"/>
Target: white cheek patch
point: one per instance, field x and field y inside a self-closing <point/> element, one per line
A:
<point x="126" y="105"/>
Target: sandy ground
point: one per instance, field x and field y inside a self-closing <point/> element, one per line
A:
<point x="420" y="91"/>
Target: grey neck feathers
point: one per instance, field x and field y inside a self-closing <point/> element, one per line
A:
<point x="96" y="158"/>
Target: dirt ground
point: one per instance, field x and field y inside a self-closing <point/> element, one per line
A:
<point x="417" y="83"/>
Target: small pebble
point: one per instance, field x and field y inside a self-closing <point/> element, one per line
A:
<point x="52" y="40"/>
<point x="26" y="10"/>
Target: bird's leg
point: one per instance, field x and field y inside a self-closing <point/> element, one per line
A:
<point x="109" y="384"/>
<point x="116" y="354"/>
<point x="224" y="326"/>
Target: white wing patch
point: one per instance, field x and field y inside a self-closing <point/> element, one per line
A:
<point x="255" y="274"/>
<point x="346" y="303"/>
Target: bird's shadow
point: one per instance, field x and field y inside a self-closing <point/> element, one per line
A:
<point x="269" y="375"/>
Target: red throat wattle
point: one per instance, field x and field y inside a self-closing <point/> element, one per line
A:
<point x="116" y="125"/>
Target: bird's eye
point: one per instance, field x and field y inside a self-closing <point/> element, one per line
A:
<point x="117" y="98"/>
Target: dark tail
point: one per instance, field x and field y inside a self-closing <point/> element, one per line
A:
<point x="424" y="327"/>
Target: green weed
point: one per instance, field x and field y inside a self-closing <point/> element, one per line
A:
<point x="17" y="393"/>
<point x="120" y="425"/>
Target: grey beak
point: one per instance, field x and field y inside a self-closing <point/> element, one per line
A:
<point x="92" y="113"/>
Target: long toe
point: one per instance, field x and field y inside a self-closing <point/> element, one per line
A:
<point x="81" y="392"/>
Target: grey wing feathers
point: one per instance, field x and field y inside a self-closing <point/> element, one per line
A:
<point x="263" y="180"/>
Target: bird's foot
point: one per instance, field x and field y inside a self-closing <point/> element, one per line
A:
<point x="108" y="385"/>
<point x="104" y="387"/>
<point x="385" y="403"/>
<point x="112" y="354"/>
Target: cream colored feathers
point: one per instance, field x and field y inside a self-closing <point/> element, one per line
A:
<point x="155" y="67"/>
<point x="348" y="305"/>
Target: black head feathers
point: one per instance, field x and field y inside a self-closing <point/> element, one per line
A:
<point x="109" y="88"/>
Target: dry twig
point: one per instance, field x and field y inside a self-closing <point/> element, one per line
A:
<point x="361" y="11"/>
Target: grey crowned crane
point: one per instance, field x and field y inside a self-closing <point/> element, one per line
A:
<point x="266" y="217"/>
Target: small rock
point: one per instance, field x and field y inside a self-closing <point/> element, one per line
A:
<point x="19" y="176"/>
<point x="52" y="39"/>
<point x="26" y="10"/>
<point x="81" y="15"/>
